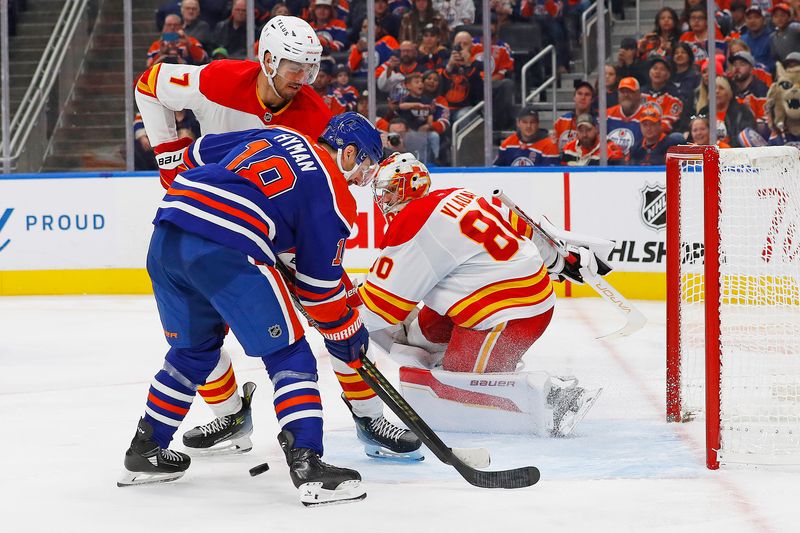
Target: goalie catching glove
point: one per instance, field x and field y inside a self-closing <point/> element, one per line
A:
<point x="346" y="338"/>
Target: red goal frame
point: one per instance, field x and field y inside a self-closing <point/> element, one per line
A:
<point x="709" y="155"/>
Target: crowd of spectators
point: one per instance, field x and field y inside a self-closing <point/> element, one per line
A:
<point x="429" y="53"/>
<point x="658" y="94"/>
<point x="430" y="72"/>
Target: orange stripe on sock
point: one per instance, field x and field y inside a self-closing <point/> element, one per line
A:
<point x="297" y="400"/>
<point x="164" y="405"/>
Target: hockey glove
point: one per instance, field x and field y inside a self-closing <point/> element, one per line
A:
<point x="346" y="338"/>
<point x="169" y="156"/>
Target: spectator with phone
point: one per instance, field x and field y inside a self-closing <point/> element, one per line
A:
<point x="462" y="86"/>
<point x="174" y="46"/>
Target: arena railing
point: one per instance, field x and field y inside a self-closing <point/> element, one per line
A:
<point x="61" y="62"/>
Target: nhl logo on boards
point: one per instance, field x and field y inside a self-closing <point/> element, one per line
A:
<point x="275" y="331"/>
<point x="654" y="206"/>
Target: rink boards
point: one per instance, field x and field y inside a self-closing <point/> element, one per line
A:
<point x="88" y="233"/>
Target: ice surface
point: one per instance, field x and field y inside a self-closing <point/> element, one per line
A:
<point x="74" y="373"/>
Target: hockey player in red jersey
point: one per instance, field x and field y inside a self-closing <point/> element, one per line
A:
<point x="236" y="95"/>
<point x="485" y="282"/>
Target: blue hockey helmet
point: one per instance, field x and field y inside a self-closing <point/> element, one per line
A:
<point x="352" y="128"/>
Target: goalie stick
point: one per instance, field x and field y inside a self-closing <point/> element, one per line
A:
<point x="464" y="460"/>
<point x="634" y="319"/>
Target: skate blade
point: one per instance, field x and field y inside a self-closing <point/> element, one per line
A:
<point x="569" y="422"/>
<point x="379" y="452"/>
<point x="130" y="479"/>
<point x="226" y="447"/>
<point x="313" y="495"/>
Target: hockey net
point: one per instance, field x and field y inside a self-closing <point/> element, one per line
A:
<point x="733" y="300"/>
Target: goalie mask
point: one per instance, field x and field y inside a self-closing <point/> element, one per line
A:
<point x="400" y="179"/>
<point x="294" y="49"/>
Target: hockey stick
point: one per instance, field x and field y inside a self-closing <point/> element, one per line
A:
<point x="634" y="319"/>
<point x="515" y="478"/>
<point x="462" y="459"/>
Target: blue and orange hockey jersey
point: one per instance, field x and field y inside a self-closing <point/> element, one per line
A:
<point x="264" y="192"/>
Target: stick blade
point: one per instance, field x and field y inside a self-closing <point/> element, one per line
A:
<point x="516" y="478"/>
<point x="635" y="322"/>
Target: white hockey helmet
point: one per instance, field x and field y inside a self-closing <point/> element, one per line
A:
<point x="400" y="179"/>
<point x="293" y="39"/>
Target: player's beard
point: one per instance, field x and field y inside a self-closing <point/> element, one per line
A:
<point x="283" y="88"/>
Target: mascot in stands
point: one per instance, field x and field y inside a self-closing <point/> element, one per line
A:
<point x="783" y="103"/>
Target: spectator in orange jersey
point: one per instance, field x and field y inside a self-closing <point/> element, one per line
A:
<point x="623" y="118"/>
<point x="584" y="149"/>
<point x="331" y="31"/>
<point x="565" y="127"/>
<point x="174" y="46"/>
<point x="748" y="89"/>
<point x="322" y="85"/>
<point x="697" y="36"/>
<point x="655" y="141"/>
<point x="400" y="64"/>
<point x="700" y="132"/>
<point x="662" y="93"/>
<point x="529" y="146"/>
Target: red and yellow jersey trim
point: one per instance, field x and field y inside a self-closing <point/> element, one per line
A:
<point x="148" y="81"/>
<point x="392" y="308"/>
<point x="485" y="302"/>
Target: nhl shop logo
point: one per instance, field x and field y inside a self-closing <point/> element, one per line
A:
<point x="654" y="206"/>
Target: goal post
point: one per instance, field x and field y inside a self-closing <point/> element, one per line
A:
<point x="733" y="299"/>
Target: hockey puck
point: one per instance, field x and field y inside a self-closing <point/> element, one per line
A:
<point x="260" y="469"/>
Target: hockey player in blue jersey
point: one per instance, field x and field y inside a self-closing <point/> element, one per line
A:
<point x="274" y="191"/>
<point x="380" y="437"/>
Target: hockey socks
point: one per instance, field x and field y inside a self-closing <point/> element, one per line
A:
<point x="168" y="401"/>
<point x="219" y="391"/>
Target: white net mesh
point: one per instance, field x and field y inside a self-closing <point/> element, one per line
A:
<point x="759" y="230"/>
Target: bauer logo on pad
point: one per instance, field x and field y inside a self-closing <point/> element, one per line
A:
<point x="654" y="206"/>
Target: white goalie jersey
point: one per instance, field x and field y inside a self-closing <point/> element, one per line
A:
<point x="463" y="257"/>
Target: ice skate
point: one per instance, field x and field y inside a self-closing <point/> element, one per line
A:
<point x="319" y="483"/>
<point x="225" y="435"/>
<point x="146" y="462"/>
<point x="570" y="404"/>
<point x="384" y="440"/>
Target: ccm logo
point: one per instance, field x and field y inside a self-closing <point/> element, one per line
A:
<point x="166" y="159"/>
<point x="491" y="383"/>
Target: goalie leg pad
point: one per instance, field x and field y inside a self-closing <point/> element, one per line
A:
<point x="499" y="349"/>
